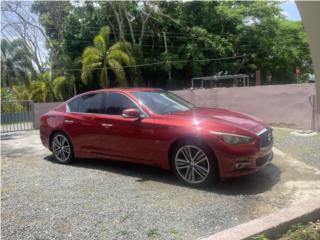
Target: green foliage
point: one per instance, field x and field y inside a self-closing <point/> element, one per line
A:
<point x="153" y="233"/>
<point x="91" y="45"/>
<point x="11" y="106"/>
<point x="259" y="237"/>
<point x="38" y="90"/>
<point x="310" y="231"/>
<point x="99" y="59"/>
<point x="63" y="87"/>
<point x="6" y="94"/>
<point x="45" y="89"/>
<point x="7" y="105"/>
<point x="16" y="62"/>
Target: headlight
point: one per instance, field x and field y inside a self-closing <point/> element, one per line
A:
<point x="233" y="138"/>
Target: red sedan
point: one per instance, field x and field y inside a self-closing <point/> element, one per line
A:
<point x="158" y="128"/>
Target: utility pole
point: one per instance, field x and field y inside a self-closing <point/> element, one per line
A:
<point x="309" y="12"/>
<point x="258" y="78"/>
<point x="298" y="72"/>
<point x="167" y="62"/>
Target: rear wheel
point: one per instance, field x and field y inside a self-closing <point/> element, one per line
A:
<point x="62" y="148"/>
<point x="194" y="164"/>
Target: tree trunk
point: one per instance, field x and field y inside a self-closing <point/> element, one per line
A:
<point x="143" y="28"/>
<point x="167" y="62"/>
<point x="104" y="80"/>
<point x="129" y="24"/>
<point x="116" y="8"/>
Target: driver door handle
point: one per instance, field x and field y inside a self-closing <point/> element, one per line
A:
<point x="106" y="125"/>
<point x="68" y="121"/>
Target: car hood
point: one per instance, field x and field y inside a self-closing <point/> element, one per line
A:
<point x="218" y="118"/>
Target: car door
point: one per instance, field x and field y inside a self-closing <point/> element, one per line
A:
<point x="82" y="126"/>
<point x="124" y="138"/>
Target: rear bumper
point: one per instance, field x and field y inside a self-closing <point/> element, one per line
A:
<point x="234" y="166"/>
<point x="44" y="138"/>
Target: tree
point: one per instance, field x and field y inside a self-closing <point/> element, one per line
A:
<point x="16" y="62"/>
<point x="44" y="89"/>
<point x="38" y="90"/>
<point x="63" y="87"/>
<point x="19" y="22"/>
<point x="177" y="36"/>
<point x="99" y="59"/>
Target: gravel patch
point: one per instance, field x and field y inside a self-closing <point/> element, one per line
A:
<point x="98" y="199"/>
<point x="303" y="148"/>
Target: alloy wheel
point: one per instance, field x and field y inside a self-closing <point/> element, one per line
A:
<point x="61" y="148"/>
<point x="192" y="164"/>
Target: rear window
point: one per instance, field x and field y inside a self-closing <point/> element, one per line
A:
<point x="90" y="103"/>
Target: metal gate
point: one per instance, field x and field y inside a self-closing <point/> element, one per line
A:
<point x="16" y="115"/>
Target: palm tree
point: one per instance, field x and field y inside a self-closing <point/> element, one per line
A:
<point x="16" y="62"/>
<point x="99" y="58"/>
<point x="39" y="90"/>
<point x="63" y="87"/>
<point x="43" y="89"/>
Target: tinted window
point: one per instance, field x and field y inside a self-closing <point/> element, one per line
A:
<point x="162" y="102"/>
<point x="73" y="105"/>
<point x="90" y="103"/>
<point x="115" y="103"/>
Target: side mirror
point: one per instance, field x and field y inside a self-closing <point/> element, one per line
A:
<point x="130" y="113"/>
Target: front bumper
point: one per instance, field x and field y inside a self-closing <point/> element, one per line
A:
<point x="233" y="166"/>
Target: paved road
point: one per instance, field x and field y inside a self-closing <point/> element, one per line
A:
<point x="110" y="200"/>
<point x="18" y="126"/>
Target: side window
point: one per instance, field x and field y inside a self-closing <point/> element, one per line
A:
<point x="90" y="103"/>
<point x="73" y="105"/>
<point x="115" y="103"/>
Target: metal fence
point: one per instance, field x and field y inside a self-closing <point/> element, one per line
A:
<point x="16" y="115"/>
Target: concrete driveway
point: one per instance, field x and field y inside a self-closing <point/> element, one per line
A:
<point x="96" y="199"/>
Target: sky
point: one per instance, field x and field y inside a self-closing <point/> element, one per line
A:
<point x="290" y="10"/>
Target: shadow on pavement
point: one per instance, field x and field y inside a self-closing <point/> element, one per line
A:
<point x="256" y="183"/>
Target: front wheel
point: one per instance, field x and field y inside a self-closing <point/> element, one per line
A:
<point x="62" y="148"/>
<point x="194" y="164"/>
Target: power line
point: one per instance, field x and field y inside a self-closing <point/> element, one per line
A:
<point x="153" y="33"/>
<point x="170" y="37"/>
<point x="149" y="64"/>
<point x="237" y="45"/>
<point x="170" y="46"/>
<point x="150" y="34"/>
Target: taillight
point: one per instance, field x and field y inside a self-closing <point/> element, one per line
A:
<point x="43" y="120"/>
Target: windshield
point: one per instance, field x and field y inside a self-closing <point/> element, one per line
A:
<point x="162" y="102"/>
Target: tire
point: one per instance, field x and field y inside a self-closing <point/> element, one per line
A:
<point x="199" y="170"/>
<point x="62" y="154"/>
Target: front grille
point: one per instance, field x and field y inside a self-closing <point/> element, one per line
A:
<point x="266" y="138"/>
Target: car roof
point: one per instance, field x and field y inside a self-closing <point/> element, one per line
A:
<point x="125" y="90"/>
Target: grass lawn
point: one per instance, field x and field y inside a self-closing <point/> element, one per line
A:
<point x="310" y="231"/>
